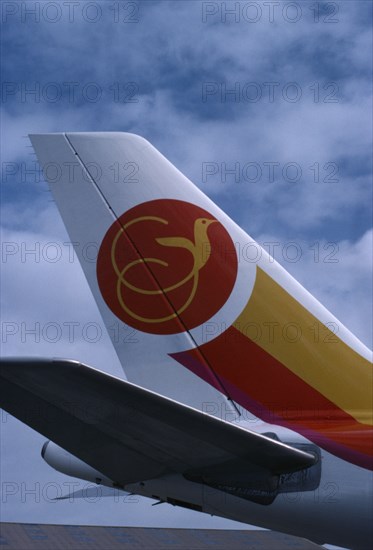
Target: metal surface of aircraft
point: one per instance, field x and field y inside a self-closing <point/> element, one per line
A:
<point x="245" y="397"/>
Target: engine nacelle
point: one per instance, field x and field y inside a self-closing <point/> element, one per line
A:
<point x="66" y="463"/>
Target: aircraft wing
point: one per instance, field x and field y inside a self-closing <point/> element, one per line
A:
<point x="131" y="434"/>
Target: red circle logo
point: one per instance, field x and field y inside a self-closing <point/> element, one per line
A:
<point x="166" y="266"/>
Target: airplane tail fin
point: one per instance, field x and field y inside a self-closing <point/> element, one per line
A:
<point x="196" y="310"/>
<point x="166" y="268"/>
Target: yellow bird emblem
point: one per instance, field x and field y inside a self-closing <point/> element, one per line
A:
<point x="200" y="250"/>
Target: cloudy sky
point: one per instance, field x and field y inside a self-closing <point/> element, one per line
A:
<point x="267" y="107"/>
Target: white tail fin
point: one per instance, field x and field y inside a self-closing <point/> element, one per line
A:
<point x="166" y="273"/>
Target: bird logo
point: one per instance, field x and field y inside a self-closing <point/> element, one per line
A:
<point x="152" y="267"/>
<point x="195" y="248"/>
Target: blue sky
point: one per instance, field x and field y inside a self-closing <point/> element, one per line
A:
<point x="280" y="93"/>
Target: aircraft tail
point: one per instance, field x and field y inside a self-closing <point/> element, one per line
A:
<point x="159" y="242"/>
<point x="196" y="310"/>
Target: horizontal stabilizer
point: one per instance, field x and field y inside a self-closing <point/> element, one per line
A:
<point x="129" y="433"/>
